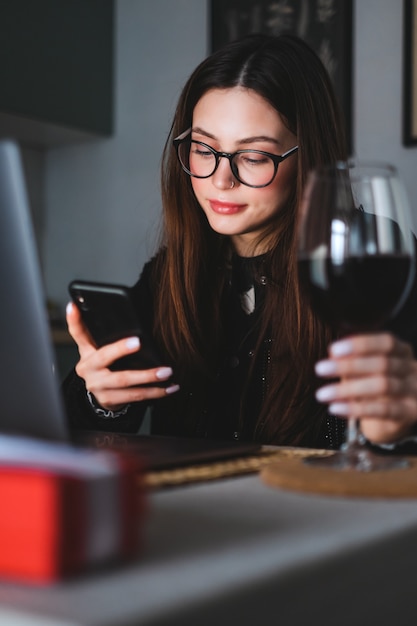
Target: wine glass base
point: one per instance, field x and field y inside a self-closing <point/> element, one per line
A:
<point x="359" y="460"/>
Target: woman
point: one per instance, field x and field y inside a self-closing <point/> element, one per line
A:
<point x="221" y="296"/>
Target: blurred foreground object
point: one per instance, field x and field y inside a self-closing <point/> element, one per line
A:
<point x="65" y="510"/>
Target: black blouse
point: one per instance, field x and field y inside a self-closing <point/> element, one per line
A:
<point x="229" y="406"/>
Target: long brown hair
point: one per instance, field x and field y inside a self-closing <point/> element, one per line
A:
<point x="289" y="75"/>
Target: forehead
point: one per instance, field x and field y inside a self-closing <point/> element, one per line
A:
<point x="238" y="110"/>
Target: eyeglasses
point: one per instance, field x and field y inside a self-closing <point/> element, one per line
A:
<point x="254" y="168"/>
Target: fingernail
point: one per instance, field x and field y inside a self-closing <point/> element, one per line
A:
<point x="325" y="368"/>
<point x="164" y="372"/>
<point x="172" y="389"/>
<point x="324" y="394"/>
<point x="132" y="343"/>
<point x="69" y="307"/>
<point x="339" y="408"/>
<point x="341" y="348"/>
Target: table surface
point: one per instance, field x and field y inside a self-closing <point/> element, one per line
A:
<point x="236" y="551"/>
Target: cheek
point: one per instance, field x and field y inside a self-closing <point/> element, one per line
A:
<point x="273" y="199"/>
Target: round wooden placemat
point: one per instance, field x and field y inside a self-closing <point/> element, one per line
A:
<point x="293" y="474"/>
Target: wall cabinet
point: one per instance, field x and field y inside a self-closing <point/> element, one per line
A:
<point x="56" y="70"/>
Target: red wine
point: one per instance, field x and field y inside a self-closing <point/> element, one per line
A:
<point x="359" y="294"/>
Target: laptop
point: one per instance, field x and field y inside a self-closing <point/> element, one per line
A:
<point x="31" y="402"/>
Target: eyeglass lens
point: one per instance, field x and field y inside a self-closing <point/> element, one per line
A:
<point x="251" y="168"/>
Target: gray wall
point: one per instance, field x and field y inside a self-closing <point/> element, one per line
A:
<point x="102" y="201"/>
<point x="378" y="102"/>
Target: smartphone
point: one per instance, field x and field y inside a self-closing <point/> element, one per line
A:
<point x="109" y="315"/>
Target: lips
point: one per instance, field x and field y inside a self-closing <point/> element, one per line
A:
<point x="225" y="208"/>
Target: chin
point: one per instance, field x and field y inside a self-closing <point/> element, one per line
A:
<point x="225" y="225"/>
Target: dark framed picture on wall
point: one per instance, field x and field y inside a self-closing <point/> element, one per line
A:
<point x="326" y="25"/>
<point x="410" y="74"/>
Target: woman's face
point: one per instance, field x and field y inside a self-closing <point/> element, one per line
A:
<point x="237" y="119"/>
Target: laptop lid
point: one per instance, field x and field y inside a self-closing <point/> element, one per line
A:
<point x="30" y="402"/>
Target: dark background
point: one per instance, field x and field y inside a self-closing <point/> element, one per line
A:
<point x="325" y="26"/>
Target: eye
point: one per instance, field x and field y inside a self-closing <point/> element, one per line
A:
<point x="254" y="159"/>
<point x="201" y="151"/>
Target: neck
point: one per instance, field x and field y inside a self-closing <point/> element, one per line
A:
<point x="250" y="249"/>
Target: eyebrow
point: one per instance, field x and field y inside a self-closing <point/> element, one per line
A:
<point x="254" y="139"/>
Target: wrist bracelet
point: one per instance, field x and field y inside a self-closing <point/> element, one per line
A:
<point x="105" y="413"/>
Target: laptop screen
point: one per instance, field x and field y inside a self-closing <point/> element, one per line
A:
<point x="30" y="402"/>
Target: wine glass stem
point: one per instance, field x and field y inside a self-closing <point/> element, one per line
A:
<point x="352" y="437"/>
<point x="353" y="445"/>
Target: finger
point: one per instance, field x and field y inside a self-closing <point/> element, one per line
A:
<point x="108" y="354"/>
<point x="76" y="328"/>
<point x="401" y="409"/>
<point x="368" y="386"/>
<point x="349" y="367"/>
<point x="94" y="363"/>
<point x="108" y="379"/>
<point x="109" y="398"/>
<point x="382" y="343"/>
<point x="116" y="388"/>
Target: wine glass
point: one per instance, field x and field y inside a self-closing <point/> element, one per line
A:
<point x="356" y="263"/>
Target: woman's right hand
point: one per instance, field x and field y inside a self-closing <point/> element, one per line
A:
<point x="114" y="389"/>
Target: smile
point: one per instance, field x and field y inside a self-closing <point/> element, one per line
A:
<point x="225" y="208"/>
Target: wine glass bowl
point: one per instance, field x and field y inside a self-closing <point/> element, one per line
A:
<point x="356" y="264"/>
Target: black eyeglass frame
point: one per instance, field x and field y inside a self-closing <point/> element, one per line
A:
<point x="277" y="159"/>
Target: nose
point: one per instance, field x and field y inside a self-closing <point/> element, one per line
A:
<point x="223" y="177"/>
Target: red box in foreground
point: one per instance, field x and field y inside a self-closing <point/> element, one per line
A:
<point x="64" y="510"/>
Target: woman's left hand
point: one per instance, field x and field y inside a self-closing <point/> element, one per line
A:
<point x="378" y="384"/>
